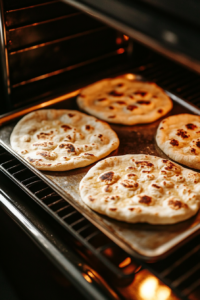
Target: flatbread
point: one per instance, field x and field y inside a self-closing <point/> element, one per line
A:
<point x="141" y="188"/>
<point x="179" y="137"/>
<point x="60" y="140"/>
<point x="124" y="100"/>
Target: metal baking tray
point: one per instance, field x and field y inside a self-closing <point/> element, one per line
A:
<point x="140" y="240"/>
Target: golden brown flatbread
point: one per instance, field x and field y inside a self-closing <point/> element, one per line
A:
<point x="125" y="101"/>
<point x="60" y="140"/>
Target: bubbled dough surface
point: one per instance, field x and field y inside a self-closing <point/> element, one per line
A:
<point x="124" y="101"/>
<point x="179" y="137"/>
<point x="141" y="188"/>
<point x="61" y="140"/>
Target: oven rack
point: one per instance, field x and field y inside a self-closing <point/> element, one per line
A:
<point x="83" y="230"/>
<point x="170" y="270"/>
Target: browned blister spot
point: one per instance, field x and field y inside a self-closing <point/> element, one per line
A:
<point x="65" y="127"/>
<point x="68" y="147"/>
<point x="144" y="163"/>
<point x="107" y="189"/>
<point x="174" y="142"/>
<point x="44" y="153"/>
<point x="131" y="176"/>
<point x="170" y="166"/>
<point x="113" y="209"/>
<point x="131" y="208"/>
<point x="129" y="184"/>
<point x="160" y="111"/>
<point x="107" y="176"/>
<point x="68" y="137"/>
<point x="145" y="102"/>
<point x="198" y="144"/>
<point x="111" y="107"/>
<point x="131" y="107"/>
<point x="81" y="95"/>
<point x="101" y="99"/>
<point x="116" y="94"/>
<point x="182" y="133"/>
<point x="145" y="200"/>
<point x="120" y="102"/>
<point x="33" y="159"/>
<point x="164" y="161"/>
<point x="87" y="127"/>
<point x="141" y="93"/>
<point x="120" y="84"/>
<point x="161" y="128"/>
<point x="111" y="117"/>
<point x="176" y="204"/>
<point x="71" y="115"/>
<point x="193" y="150"/>
<point x="191" y="126"/>
<point x="45" y="135"/>
<point x="89" y="154"/>
<point x="156" y="186"/>
<point x="91" y="198"/>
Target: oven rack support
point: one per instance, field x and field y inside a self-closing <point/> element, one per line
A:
<point x="76" y="224"/>
<point x="70" y="264"/>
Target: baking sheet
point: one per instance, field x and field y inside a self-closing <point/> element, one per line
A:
<point x="142" y="239"/>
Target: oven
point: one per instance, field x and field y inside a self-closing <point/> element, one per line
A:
<point x="50" y="247"/>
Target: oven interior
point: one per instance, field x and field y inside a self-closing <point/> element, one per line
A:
<point x="49" y="49"/>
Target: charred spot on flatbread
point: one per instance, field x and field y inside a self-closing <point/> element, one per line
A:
<point x="45" y="135"/>
<point x="107" y="176"/>
<point x="144" y="164"/>
<point x="68" y="147"/>
<point x="120" y="102"/>
<point x="88" y="154"/>
<point x="182" y="133"/>
<point x="113" y="208"/>
<point x="191" y="126"/>
<point x="198" y="144"/>
<point x="145" y="199"/>
<point x="140" y="93"/>
<point x="129" y="184"/>
<point x="101" y="99"/>
<point x="176" y="204"/>
<point x="160" y="111"/>
<point x="144" y="102"/>
<point x="66" y="127"/>
<point x="131" y="107"/>
<point x="174" y="142"/>
<point x="71" y="115"/>
<point x="116" y="94"/>
<point x="91" y="198"/>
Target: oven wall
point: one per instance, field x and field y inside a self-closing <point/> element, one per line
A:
<point x="51" y="48"/>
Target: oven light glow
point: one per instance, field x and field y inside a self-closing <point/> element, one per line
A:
<point x="87" y="278"/>
<point x="163" y="293"/>
<point x="90" y="274"/>
<point x="125" y="262"/>
<point x="130" y="76"/>
<point x="120" y="50"/>
<point x="126" y="37"/>
<point x="150" y="289"/>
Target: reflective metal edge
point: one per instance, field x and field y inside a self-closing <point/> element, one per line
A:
<point x="70" y="265"/>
